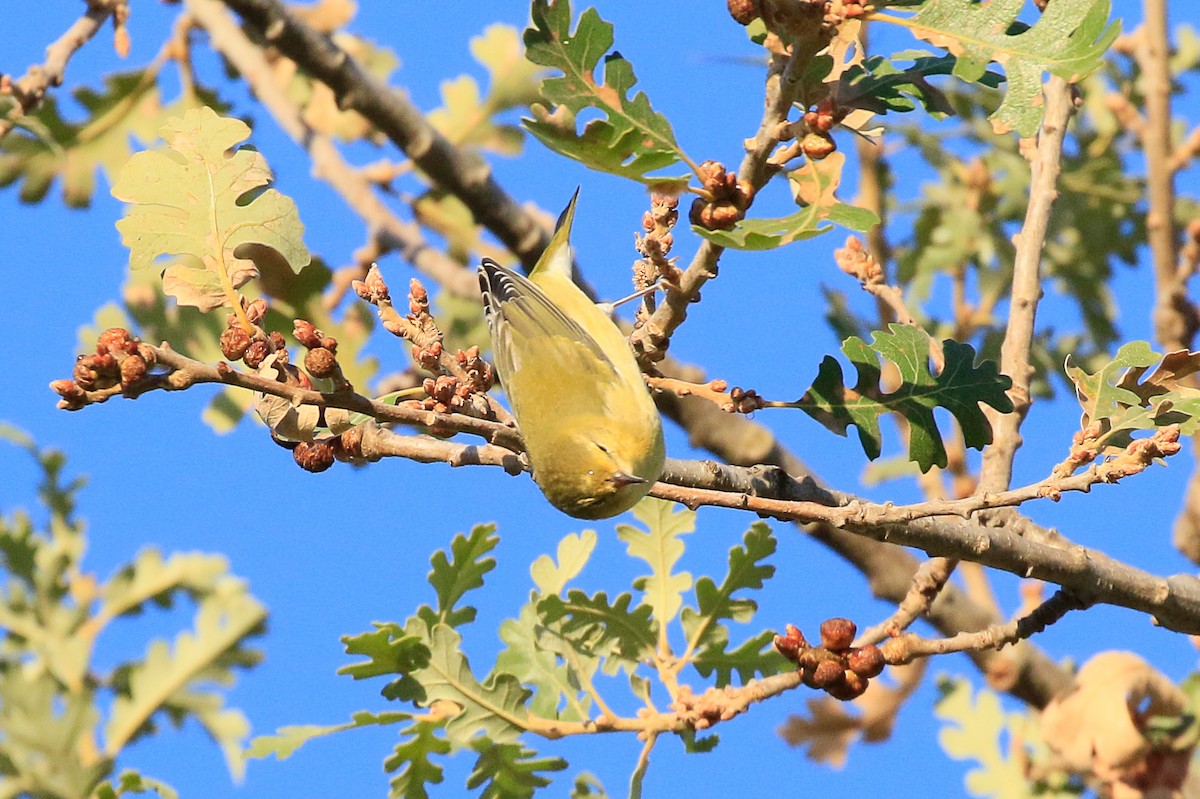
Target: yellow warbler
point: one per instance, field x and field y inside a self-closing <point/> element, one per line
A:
<point x="591" y="431"/>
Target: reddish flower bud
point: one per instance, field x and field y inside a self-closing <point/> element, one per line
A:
<point x="837" y="634"/>
<point x="234" y="343"/>
<point x="866" y="661"/>
<point x="313" y="456"/>
<point x="133" y="368"/>
<point x="320" y="362"/>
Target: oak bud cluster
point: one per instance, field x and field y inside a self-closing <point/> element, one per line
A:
<point x="835" y="667"/>
<point x="121" y="361"/>
<point x="727" y="199"/>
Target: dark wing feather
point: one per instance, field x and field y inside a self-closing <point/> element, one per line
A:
<point x="514" y="307"/>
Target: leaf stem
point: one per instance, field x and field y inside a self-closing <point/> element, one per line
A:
<point x="643" y="763"/>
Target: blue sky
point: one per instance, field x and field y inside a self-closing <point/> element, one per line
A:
<point x="331" y="553"/>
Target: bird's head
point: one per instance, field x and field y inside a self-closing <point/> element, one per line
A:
<point x="600" y="470"/>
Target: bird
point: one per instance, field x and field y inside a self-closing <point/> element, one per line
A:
<point x="591" y="430"/>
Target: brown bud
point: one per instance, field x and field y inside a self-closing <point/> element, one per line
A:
<point x="306" y="333"/>
<point x="817" y="145"/>
<point x="743" y="11"/>
<point x="256" y="353"/>
<point x="827" y="673"/>
<point x="73" y="397"/>
<point x="837" y="634"/>
<point x="313" y="456"/>
<point x="85" y="376"/>
<point x="349" y="444"/>
<point x="115" y="339"/>
<point x="320" y="362"/>
<point x="418" y="298"/>
<point x="787" y="647"/>
<point x="147" y="354"/>
<point x="234" y="343"/>
<point x="133" y="368"/>
<point x="277" y="340"/>
<point x="256" y="310"/>
<point x="850" y="687"/>
<point x="712" y="216"/>
<point x="866" y="661"/>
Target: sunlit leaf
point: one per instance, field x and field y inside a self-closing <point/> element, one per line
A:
<point x="204" y="206"/>
<point x="287" y="740"/>
<point x="633" y="140"/>
<point x="509" y="770"/>
<point x="453" y="578"/>
<point x="660" y="546"/>
<point x="1068" y="40"/>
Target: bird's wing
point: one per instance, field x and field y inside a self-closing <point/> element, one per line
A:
<point x="523" y="319"/>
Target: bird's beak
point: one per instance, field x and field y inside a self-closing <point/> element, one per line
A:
<point x="622" y="479"/>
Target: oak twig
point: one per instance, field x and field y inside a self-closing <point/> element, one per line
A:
<point x="30" y="89"/>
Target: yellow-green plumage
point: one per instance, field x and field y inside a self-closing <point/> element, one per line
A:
<point x="591" y="431"/>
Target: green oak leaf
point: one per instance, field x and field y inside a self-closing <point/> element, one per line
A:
<point x="551" y="575"/>
<point x="509" y="770"/>
<point x="633" y="140"/>
<point x="495" y="708"/>
<point x="390" y="649"/>
<point x="813" y="185"/>
<point x="754" y="657"/>
<point x="131" y="782"/>
<point x="45" y="147"/>
<point x="624" y="635"/>
<point x="660" y="546"/>
<point x="533" y="658"/>
<point x="960" y="387"/>
<point x="1068" y="40"/>
<point x="287" y="740"/>
<point x="224" y="620"/>
<point x="878" y="85"/>
<point x="412" y="760"/>
<point x="707" y="635"/>
<point x="468" y="115"/>
<point x="452" y="579"/>
<point x="1123" y="399"/>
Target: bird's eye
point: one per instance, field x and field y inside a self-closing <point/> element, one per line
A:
<point x="601" y="447"/>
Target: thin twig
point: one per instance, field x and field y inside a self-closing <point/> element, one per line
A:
<point x="30" y="89"/>
<point x="650" y="341"/>
<point x="1174" y="601"/>
<point x="639" y="770"/>
<point x="906" y="648"/>
<point x="927" y="584"/>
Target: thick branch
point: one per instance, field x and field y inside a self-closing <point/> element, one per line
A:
<point x="1174" y="316"/>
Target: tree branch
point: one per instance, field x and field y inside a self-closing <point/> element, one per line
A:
<point x="650" y="341"/>
<point x="30" y="89"/>
<point x="906" y="648"/>
<point x="1175" y="318"/>
<point x="1045" y="165"/>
